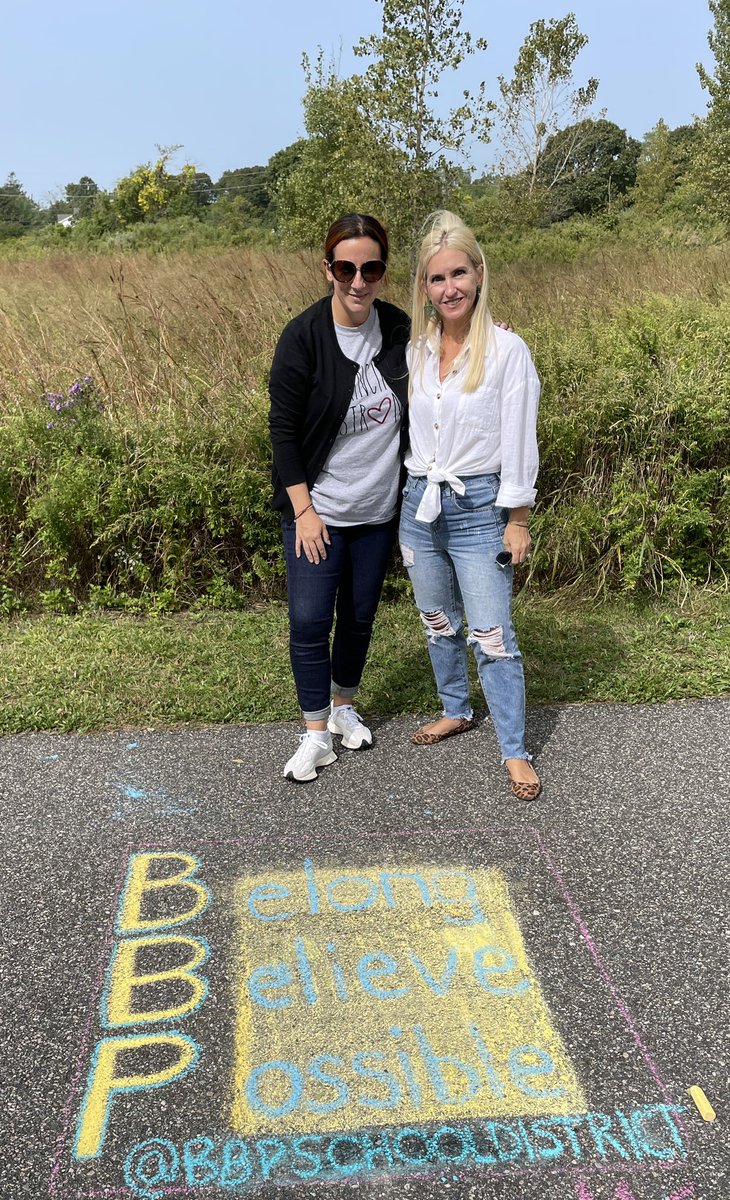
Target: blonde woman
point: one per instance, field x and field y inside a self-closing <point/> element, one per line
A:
<point x="472" y="466"/>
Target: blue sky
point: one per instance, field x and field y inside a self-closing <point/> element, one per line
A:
<point x="92" y="86"/>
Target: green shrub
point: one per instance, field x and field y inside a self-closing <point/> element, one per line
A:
<point x="635" y="446"/>
<point x="150" y="486"/>
<point x="177" y="507"/>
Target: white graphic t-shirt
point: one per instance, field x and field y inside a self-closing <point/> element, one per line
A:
<point x="358" y="484"/>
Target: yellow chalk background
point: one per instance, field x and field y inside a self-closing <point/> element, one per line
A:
<point x="331" y="1026"/>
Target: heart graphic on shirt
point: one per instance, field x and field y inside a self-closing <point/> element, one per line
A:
<point x="379" y="412"/>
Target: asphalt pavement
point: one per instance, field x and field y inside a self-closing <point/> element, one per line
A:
<point x="397" y="980"/>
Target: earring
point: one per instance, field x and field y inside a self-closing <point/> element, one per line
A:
<point x="429" y="311"/>
<point x="479" y="291"/>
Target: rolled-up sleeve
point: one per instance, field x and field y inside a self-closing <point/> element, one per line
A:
<point x="520" y="398"/>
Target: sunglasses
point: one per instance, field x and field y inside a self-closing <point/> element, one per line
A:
<point x="345" y="272"/>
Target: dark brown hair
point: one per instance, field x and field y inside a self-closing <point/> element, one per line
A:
<point x="355" y="225"/>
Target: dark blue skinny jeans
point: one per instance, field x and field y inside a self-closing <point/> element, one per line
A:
<point x="345" y="586"/>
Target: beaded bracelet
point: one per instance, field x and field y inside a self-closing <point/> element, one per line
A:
<point x="301" y="514"/>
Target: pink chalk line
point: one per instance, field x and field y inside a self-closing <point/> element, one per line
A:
<point x="357" y="1181"/>
<point x="352" y="831"/>
<point x="603" y="972"/>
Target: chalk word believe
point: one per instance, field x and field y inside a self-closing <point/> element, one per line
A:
<point x="650" y="1132"/>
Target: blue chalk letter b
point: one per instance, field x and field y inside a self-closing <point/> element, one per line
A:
<point x="435" y="1064"/>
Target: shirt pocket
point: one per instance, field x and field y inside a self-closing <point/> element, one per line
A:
<point x="479" y="410"/>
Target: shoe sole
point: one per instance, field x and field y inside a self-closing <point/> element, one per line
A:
<point x="362" y="745"/>
<point x="324" y="762"/>
<point x="347" y="744"/>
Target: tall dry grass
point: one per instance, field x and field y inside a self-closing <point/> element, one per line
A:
<point x="609" y="281"/>
<point x="188" y="330"/>
<point x="153" y="332"/>
<point x="158" y="486"/>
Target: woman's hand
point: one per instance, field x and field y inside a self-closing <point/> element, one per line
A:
<point x="311" y="536"/>
<point x="518" y="541"/>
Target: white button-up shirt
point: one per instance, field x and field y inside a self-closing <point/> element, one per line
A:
<point x="454" y="434"/>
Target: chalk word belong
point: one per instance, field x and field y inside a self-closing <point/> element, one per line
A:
<point x="649" y="1133"/>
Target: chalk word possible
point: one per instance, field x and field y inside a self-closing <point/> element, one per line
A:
<point x="650" y="1132"/>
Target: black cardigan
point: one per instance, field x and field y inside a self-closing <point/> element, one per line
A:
<point x="311" y="384"/>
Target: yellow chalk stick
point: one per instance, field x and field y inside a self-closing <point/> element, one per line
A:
<point x="704" y="1107"/>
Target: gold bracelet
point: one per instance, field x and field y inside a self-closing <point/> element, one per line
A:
<point x="301" y="514"/>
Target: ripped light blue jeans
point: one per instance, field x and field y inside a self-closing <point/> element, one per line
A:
<point x="453" y="569"/>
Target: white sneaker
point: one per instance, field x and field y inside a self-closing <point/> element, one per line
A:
<point x="345" y="721"/>
<point x="315" y="750"/>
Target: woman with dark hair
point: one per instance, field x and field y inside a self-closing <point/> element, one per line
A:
<point x="472" y="465"/>
<point x="338" y="389"/>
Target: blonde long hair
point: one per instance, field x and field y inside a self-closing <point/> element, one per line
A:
<point x="444" y="229"/>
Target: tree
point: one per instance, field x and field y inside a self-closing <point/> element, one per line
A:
<point x="248" y="183"/>
<point x="684" y="143"/>
<point x="420" y="40"/>
<point x="711" y="164"/>
<point x="585" y="167"/>
<point x="151" y="192"/>
<point x="200" y="187"/>
<point x="80" y="197"/>
<point x="657" y="171"/>
<point x="342" y="167"/>
<point x="382" y="126"/>
<point x="540" y="97"/>
<point x="18" y="213"/>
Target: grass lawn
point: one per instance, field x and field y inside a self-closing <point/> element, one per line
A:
<point x="104" y="671"/>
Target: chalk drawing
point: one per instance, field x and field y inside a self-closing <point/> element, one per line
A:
<point x="108" y="1078"/>
<point x="385" y="1019"/>
<point x="624" y="1192"/>
<point x="485" y="1146"/>
<point x="126" y="979"/>
<point x="160" y="892"/>
<point x="133" y="801"/>
<point x="420" y="982"/>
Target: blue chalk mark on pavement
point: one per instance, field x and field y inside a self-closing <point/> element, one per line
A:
<point x="136" y="801"/>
